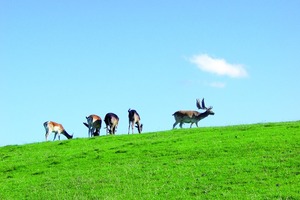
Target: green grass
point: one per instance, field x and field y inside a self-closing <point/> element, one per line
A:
<point x="259" y="161"/>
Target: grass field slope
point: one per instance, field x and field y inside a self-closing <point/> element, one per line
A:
<point x="258" y="161"/>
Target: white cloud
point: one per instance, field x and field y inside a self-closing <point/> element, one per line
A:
<point x="218" y="66"/>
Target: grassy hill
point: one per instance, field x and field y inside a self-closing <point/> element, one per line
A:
<point x="259" y="161"/>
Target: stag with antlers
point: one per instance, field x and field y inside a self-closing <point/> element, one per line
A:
<point x="189" y="116"/>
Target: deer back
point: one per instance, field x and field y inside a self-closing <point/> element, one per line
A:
<point x="111" y="119"/>
<point x="94" y="120"/>
<point x="186" y="113"/>
<point x="133" y="115"/>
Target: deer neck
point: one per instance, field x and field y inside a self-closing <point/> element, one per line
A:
<point x="67" y="135"/>
<point x="203" y="115"/>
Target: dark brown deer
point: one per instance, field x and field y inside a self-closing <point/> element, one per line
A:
<point x="111" y="120"/>
<point x="94" y="123"/>
<point x="134" y="119"/>
<point x="189" y="116"/>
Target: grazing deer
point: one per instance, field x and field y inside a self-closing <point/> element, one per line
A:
<point x="189" y="116"/>
<point x="111" y="120"/>
<point x="134" y="118"/>
<point x="57" y="129"/>
<point x="94" y="123"/>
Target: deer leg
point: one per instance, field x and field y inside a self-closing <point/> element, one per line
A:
<point x="131" y="123"/>
<point x="54" y="136"/>
<point x="92" y="131"/>
<point x="129" y="128"/>
<point x="175" y="124"/>
<point x="139" y="127"/>
<point x="89" y="132"/>
<point x="197" y="124"/>
<point x="191" y="124"/>
<point x="46" y="135"/>
<point x="107" y="129"/>
<point x="113" y="130"/>
<point x="180" y="124"/>
<point x="132" y="126"/>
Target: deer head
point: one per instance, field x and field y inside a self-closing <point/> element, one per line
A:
<point x="201" y="105"/>
<point x="139" y="127"/>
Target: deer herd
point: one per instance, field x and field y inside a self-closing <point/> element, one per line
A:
<point x="94" y="122"/>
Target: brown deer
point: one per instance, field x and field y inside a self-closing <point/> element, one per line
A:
<point x="189" y="116"/>
<point x="111" y="120"/>
<point x="134" y="119"/>
<point x="57" y="129"/>
<point x="94" y="123"/>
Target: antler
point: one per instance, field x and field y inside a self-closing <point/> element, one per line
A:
<point x="200" y="105"/>
<point x="203" y="104"/>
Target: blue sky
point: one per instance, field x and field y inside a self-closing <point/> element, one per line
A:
<point x="64" y="60"/>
